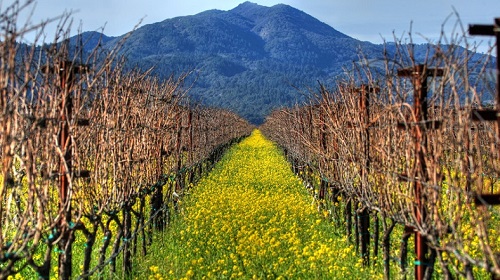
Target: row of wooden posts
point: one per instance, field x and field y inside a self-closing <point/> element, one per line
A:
<point x="171" y="152"/>
<point x="183" y="175"/>
<point x="91" y="151"/>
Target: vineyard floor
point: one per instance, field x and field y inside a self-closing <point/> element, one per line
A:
<point x="252" y="218"/>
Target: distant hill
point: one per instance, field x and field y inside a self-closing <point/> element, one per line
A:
<point x="250" y="59"/>
<point x="91" y="39"/>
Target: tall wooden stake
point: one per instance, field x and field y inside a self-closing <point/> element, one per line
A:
<point x="65" y="72"/>
<point x="419" y="75"/>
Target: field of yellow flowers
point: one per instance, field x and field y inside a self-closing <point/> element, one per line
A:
<point x="252" y="218"/>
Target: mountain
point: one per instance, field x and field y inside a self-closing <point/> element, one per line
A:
<point x="250" y="59"/>
<point x="91" y="39"/>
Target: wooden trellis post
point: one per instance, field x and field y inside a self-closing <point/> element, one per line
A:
<point x="66" y="71"/>
<point x="419" y="75"/>
<point x="364" y="215"/>
<point x="489" y="115"/>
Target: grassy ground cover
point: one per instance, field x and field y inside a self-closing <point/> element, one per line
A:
<point x="252" y="218"/>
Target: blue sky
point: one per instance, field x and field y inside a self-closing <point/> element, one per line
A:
<point x="367" y="20"/>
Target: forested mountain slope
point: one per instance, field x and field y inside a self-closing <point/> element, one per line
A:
<point x="250" y="59"/>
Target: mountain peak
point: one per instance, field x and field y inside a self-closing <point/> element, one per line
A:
<point x="248" y="4"/>
<point x="250" y="7"/>
<point x="247" y="7"/>
<point x="247" y="57"/>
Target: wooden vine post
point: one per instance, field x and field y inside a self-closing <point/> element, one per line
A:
<point x="419" y="74"/>
<point x="66" y="71"/>
<point x="65" y="168"/>
<point x="364" y="214"/>
<point x="489" y="115"/>
<point x="321" y="141"/>
<point x="481" y="199"/>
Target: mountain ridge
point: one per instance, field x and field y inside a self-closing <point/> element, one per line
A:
<point x="250" y="59"/>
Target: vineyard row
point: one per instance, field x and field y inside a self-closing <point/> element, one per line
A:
<point x="94" y="157"/>
<point x="403" y="143"/>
